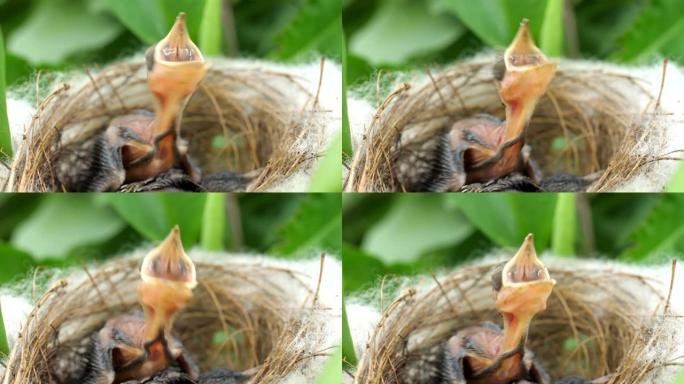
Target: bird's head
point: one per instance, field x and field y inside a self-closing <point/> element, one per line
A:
<point x="527" y="71"/>
<point x="175" y="65"/>
<point x="168" y="277"/>
<point x="524" y="284"/>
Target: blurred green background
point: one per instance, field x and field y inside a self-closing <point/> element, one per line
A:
<point x="70" y="229"/>
<point x="64" y="34"/>
<point x="407" y="34"/>
<point x="419" y="233"/>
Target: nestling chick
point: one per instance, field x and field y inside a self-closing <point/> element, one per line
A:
<point x="487" y="354"/>
<point x="484" y="154"/>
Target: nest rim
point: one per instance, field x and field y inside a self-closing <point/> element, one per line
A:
<point x="417" y="108"/>
<point x="262" y="332"/>
<point x="409" y="327"/>
<point x="244" y="119"/>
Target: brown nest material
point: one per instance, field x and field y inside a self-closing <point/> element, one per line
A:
<point x="242" y="118"/>
<point x="596" y="325"/>
<point x="590" y="120"/>
<point x="251" y="307"/>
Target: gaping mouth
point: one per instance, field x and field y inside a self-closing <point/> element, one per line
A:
<point x="177" y="47"/>
<point x="525" y="267"/>
<point x="523" y="53"/>
<point x="169" y="262"/>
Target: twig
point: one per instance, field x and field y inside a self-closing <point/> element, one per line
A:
<point x="320" y="278"/>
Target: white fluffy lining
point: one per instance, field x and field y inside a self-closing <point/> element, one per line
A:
<point x="363" y="312"/>
<point x="16" y="305"/>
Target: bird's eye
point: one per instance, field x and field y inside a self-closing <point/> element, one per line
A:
<point x="499" y="70"/>
<point x="149" y="59"/>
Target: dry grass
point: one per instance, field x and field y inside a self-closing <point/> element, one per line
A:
<point x="614" y="338"/>
<point x="257" y="112"/>
<point x="249" y="304"/>
<point x="593" y="112"/>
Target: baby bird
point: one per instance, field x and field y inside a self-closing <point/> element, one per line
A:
<point x="483" y="154"/>
<point x="130" y="347"/>
<point x="487" y="354"/>
<point x="143" y="145"/>
<point x="133" y="349"/>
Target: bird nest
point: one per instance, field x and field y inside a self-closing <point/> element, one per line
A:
<point x="242" y="316"/>
<point x="261" y="120"/>
<point x="591" y="121"/>
<point x="595" y="326"/>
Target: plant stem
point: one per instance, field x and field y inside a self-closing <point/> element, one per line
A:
<point x="552" y="29"/>
<point x="348" y="354"/>
<point x="332" y="372"/>
<point x="4" y="345"/>
<point x="210" y="28"/>
<point x="564" y="223"/>
<point x="5" y="135"/>
<point x="346" y="131"/>
<point x="214" y="222"/>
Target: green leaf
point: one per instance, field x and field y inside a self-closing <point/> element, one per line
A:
<point x="57" y="29"/>
<point x="332" y="370"/>
<point x="415" y="224"/>
<point x="151" y="20"/>
<point x="317" y="224"/>
<point x="328" y="176"/>
<point x="347" y="342"/>
<point x="64" y="222"/>
<point x="5" y="134"/>
<point x="145" y="19"/>
<point x="507" y="218"/>
<point x="495" y="22"/>
<point x="551" y="42"/>
<point x="658" y="23"/>
<point x="214" y="222"/>
<point x="661" y="232"/>
<point x="366" y="269"/>
<point x="316" y="27"/>
<point x="403" y="29"/>
<point x="4" y="344"/>
<point x="564" y="225"/>
<point x="13" y="263"/>
<point x="486" y="19"/>
<point x="680" y="377"/>
<point x="210" y="28"/>
<point x="153" y="215"/>
<point x="674" y="48"/>
<point x="677" y="182"/>
<point x="347" y="149"/>
<point x="602" y="23"/>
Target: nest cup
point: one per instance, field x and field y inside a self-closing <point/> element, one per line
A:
<point x="242" y="118"/>
<point x="594" y="327"/>
<point x="590" y="120"/>
<point x="240" y="317"/>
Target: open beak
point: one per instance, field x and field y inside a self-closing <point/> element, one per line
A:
<point x="175" y="68"/>
<point x="526" y="78"/>
<point x="526" y="283"/>
<point x="168" y="277"/>
<point x="525" y="288"/>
